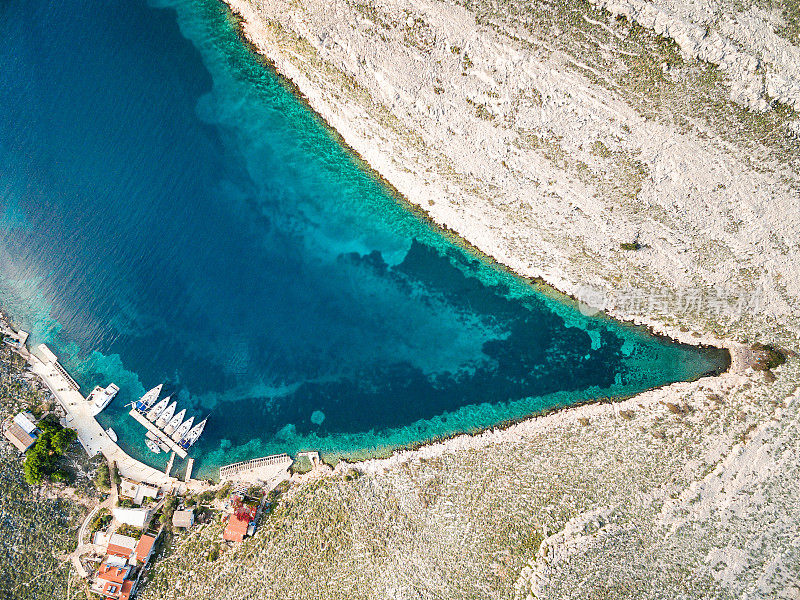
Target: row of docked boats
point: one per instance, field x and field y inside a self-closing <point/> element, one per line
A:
<point x="162" y="414"/>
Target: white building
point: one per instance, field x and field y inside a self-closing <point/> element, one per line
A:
<point x="135" y="517"/>
<point x="137" y="491"/>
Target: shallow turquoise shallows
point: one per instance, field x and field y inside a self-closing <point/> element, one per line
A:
<point x="170" y="212"/>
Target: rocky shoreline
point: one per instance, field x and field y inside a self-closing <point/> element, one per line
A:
<point x="586" y="151"/>
<point x="395" y="124"/>
<point x="608" y="188"/>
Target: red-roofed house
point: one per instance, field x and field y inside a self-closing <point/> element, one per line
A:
<point x="144" y="549"/>
<point x="121" y="545"/>
<point x="239" y="521"/>
<point x="112" y="579"/>
<point x="116" y="576"/>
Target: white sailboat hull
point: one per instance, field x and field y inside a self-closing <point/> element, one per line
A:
<point x="175" y="422"/>
<point x="165" y="416"/>
<point x="181" y="431"/>
<point x="146" y="401"/>
<point x="157" y="409"/>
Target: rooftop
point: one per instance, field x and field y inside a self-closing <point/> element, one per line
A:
<point x="27" y="421"/>
<point x="144" y="548"/>
<point x="136" y="517"/>
<point x="21" y="439"/>
<point x="137" y="491"/>
<point x="183" y="518"/>
<point x="112" y="581"/>
<point x="239" y="521"/>
<point x="121" y="545"/>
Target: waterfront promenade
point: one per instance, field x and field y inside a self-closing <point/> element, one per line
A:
<point x="91" y="434"/>
<point x="95" y="440"/>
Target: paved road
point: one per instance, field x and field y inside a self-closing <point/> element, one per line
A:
<point x="85" y="548"/>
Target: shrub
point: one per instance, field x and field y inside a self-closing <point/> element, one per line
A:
<point x="223" y="492"/>
<point x="130" y="530"/>
<point x="630" y="245"/>
<point x="767" y="357"/>
<point x="213" y="554"/>
<point x="102" y="480"/>
<point x="115" y="475"/>
<point x="101" y="521"/>
<point x="255" y="491"/>
<point x="170" y="504"/>
<point x="41" y="462"/>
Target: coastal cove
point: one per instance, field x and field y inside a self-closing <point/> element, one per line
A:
<point x="172" y="212"/>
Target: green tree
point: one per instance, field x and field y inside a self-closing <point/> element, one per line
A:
<point x="41" y="461"/>
<point x="102" y="480"/>
<point x="170" y="504"/>
<point x="62" y="440"/>
<point x="223" y="492"/>
<point x="115" y="475"/>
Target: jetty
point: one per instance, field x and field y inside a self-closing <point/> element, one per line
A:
<point x="256" y="469"/>
<point x="159" y="435"/>
<point x="96" y="440"/>
<point x="79" y="417"/>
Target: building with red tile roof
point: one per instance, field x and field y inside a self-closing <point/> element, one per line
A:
<point x="116" y="578"/>
<point x="112" y="579"/>
<point x="239" y="521"/>
<point x="122" y="546"/>
<point x="144" y="548"/>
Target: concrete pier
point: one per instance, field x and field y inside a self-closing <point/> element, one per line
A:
<point x="91" y="434"/>
<point x="169" y="464"/>
<point x="160" y="435"/>
<point x="257" y="469"/>
<point x="189" y="467"/>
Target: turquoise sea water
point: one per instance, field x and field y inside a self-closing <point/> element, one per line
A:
<point x="170" y="212"/>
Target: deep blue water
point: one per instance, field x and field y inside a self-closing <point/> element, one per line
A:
<point x="169" y="211"/>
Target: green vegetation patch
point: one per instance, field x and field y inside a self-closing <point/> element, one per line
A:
<point x="41" y="461"/>
<point x="36" y="530"/>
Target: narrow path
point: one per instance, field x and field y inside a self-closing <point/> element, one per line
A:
<point x="84" y="548"/>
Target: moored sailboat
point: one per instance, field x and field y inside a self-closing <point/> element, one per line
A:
<point x="146" y="401"/>
<point x="166" y="416"/>
<point x="194" y="434"/>
<point x="182" y="430"/>
<point x="154" y="412"/>
<point x="174" y="422"/>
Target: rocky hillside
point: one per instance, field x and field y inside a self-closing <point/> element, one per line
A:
<point x="639" y="154"/>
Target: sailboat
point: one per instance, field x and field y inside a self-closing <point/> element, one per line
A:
<point x="174" y="422"/>
<point x="194" y="434"/>
<point x="184" y="428"/>
<point x="154" y="412"/>
<point x="146" y="401"/>
<point x="165" y="416"/>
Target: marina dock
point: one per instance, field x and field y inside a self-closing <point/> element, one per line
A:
<point x="159" y="435"/>
<point x="91" y="434"/>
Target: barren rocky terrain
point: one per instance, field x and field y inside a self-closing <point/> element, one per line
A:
<point x="641" y="155"/>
